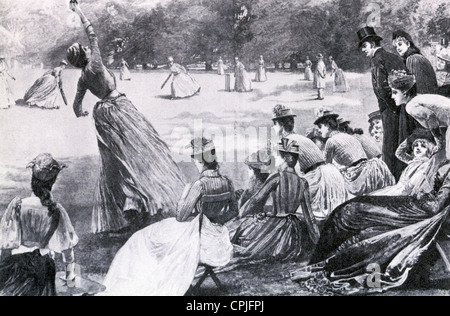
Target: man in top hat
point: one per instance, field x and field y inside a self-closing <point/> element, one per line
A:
<point x="382" y="64"/>
<point x="320" y="75"/>
<point x="326" y="184"/>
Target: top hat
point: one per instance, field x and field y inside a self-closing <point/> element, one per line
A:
<point x="259" y="160"/>
<point x="201" y="145"/>
<point x="280" y="111"/>
<point x="289" y="146"/>
<point x="322" y="115"/>
<point x="374" y="116"/>
<point x="367" y="33"/>
<point x="45" y="167"/>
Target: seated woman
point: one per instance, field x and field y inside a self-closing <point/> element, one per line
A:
<point x="276" y="235"/>
<point x="362" y="175"/>
<point x="162" y="259"/>
<point x="371" y="244"/>
<point x="44" y="92"/>
<point x="32" y="230"/>
<point x="416" y="151"/>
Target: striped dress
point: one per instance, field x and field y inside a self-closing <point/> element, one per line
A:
<point x="327" y="187"/>
<point x="276" y="235"/>
<point x="362" y="175"/>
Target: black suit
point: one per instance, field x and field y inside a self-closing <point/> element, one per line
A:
<point x="382" y="64"/>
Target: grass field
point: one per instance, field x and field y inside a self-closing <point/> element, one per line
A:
<point x="237" y="122"/>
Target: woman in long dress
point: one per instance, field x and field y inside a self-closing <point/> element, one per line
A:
<point x="340" y="82"/>
<point x="372" y="244"/>
<point x="220" y="67"/>
<point x="242" y="82"/>
<point x="416" y="64"/>
<point x="162" y="259"/>
<point x="138" y="173"/>
<point x="261" y="75"/>
<point x="308" y="70"/>
<point x="6" y="99"/>
<point x="45" y="90"/>
<point x="416" y="151"/>
<point x="32" y="230"/>
<point x="277" y="234"/>
<point x="183" y="84"/>
<point x="124" y="70"/>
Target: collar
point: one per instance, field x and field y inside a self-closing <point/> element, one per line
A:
<point x="210" y="174"/>
<point x="333" y="133"/>
<point x="378" y="50"/>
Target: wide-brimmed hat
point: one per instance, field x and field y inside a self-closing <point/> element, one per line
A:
<point x="420" y="133"/>
<point x="45" y="168"/>
<point x="401" y="80"/>
<point x="280" y="111"/>
<point x="319" y="56"/>
<point x="200" y="146"/>
<point x="289" y="146"/>
<point x="170" y="59"/>
<point x="374" y="116"/>
<point x="444" y="55"/>
<point x="259" y="160"/>
<point x="367" y="33"/>
<point x="323" y="115"/>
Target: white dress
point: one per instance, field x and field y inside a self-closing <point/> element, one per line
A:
<point x="161" y="260"/>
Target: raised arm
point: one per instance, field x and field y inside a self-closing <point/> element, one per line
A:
<point x="402" y="153"/>
<point x="95" y="58"/>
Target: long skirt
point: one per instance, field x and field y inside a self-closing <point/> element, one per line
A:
<point x="261" y="75"/>
<point x="268" y="238"/>
<point x="125" y="73"/>
<point x="327" y="189"/>
<point x="6" y="100"/>
<point x="368" y="176"/>
<point x="28" y="274"/>
<point x="137" y="169"/>
<point x="308" y="74"/>
<point x="413" y="181"/>
<point x="162" y="259"/>
<point x="340" y="82"/>
<point x="242" y="82"/>
<point x="43" y="93"/>
<point x="184" y="86"/>
<point x="370" y="245"/>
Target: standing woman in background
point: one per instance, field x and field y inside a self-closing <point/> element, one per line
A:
<point x="261" y="71"/>
<point x="319" y="76"/>
<point x="44" y="92"/>
<point x="339" y="83"/>
<point x="6" y="99"/>
<point x="308" y="69"/>
<point x="416" y="64"/>
<point x="138" y="173"/>
<point x="124" y="72"/>
<point x="220" y="67"/>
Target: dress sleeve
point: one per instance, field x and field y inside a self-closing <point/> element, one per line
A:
<point x="64" y="238"/>
<point x="329" y="151"/>
<point x="191" y="196"/>
<point x="257" y="201"/>
<point x="78" y="102"/>
<point x="402" y="153"/>
<point x="10" y="232"/>
<point x="308" y="214"/>
<point x="95" y="63"/>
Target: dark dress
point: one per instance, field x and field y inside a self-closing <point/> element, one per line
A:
<point x="387" y="234"/>
<point x="382" y="64"/>
<point x="137" y="170"/>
